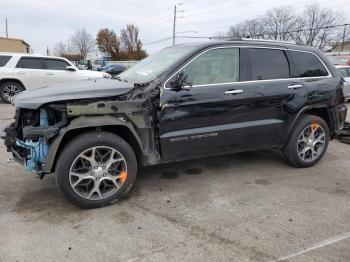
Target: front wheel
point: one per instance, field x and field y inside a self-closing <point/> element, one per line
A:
<point x="308" y="142"/>
<point x="95" y="169"/>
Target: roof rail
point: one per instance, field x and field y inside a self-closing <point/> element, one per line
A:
<point x="234" y="39"/>
<point x="267" y="40"/>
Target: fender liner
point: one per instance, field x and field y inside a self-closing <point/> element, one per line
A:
<point x="85" y="122"/>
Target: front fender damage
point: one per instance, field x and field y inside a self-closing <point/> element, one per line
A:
<point x="36" y="143"/>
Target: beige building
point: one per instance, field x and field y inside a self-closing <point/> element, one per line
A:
<point x="13" y="45"/>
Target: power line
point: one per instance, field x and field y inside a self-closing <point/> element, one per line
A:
<point x="225" y="8"/>
<point x="150" y="16"/>
<point x="263" y="35"/>
<point x="245" y="17"/>
<point x="158" y="41"/>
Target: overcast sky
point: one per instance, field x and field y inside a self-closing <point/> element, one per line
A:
<point x="44" y="23"/>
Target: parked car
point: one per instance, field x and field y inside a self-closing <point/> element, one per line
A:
<point x="115" y="70"/>
<point x="187" y="101"/>
<point x="345" y="72"/>
<point x="20" y="72"/>
<point x="339" y="59"/>
<point x="106" y="67"/>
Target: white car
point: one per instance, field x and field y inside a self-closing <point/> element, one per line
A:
<point x="345" y="72"/>
<point x="19" y="72"/>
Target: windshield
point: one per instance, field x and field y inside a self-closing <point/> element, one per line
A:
<point x="155" y="65"/>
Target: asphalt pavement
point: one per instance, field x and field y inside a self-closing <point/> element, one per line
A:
<point x="242" y="207"/>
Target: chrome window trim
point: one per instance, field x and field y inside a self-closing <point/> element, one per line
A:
<point x="252" y="81"/>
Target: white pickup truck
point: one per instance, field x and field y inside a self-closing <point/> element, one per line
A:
<point x="19" y="72"/>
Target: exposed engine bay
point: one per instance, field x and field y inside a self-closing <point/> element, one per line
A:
<point x="28" y="138"/>
<point x="36" y="134"/>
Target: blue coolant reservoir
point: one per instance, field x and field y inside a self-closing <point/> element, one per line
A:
<point x="38" y="149"/>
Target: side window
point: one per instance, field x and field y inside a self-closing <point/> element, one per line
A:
<point x="214" y="67"/>
<point x="4" y="59"/>
<point x="30" y="63"/>
<point x="268" y="64"/>
<point x="308" y="65"/>
<point x="56" y="64"/>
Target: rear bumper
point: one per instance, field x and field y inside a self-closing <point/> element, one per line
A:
<point x="339" y="115"/>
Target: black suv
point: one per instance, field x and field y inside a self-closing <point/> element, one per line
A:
<point x="187" y="101"/>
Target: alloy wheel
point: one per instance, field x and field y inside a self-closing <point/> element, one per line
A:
<point x="98" y="173"/>
<point x="9" y="92"/>
<point x="311" y="142"/>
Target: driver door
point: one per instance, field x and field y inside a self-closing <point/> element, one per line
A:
<point x="198" y="121"/>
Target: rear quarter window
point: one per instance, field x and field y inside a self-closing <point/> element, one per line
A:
<point x="4" y="59"/>
<point x="308" y="65"/>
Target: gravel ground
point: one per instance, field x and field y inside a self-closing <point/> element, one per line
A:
<point x="242" y="207"/>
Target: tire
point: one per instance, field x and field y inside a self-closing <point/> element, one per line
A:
<point x="293" y="151"/>
<point x="77" y="158"/>
<point x="9" y="89"/>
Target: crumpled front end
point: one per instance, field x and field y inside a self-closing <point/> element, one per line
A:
<point x="28" y="137"/>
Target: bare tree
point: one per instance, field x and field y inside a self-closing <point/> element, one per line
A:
<point x="108" y="42"/>
<point x="60" y="49"/>
<point x="253" y="28"/>
<point x="131" y="42"/>
<point x="316" y="27"/>
<point x="279" y="23"/>
<point x="83" y="42"/>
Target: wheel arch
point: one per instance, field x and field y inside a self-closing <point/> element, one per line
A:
<point x="87" y="124"/>
<point x="323" y="112"/>
<point x="9" y="79"/>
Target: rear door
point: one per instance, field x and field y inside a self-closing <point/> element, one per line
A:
<point x="273" y="97"/>
<point x="31" y="70"/>
<point x="56" y="71"/>
<point x="315" y="76"/>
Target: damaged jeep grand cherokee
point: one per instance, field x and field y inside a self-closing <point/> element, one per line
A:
<point x="187" y="101"/>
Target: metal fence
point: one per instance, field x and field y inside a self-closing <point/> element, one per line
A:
<point x="127" y="64"/>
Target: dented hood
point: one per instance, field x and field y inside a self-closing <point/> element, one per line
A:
<point x="98" y="88"/>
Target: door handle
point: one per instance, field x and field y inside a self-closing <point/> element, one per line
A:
<point x="21" y="73"/>
<point x="295" y="86"/>
<point x="50" y="74"/>
<point x="233" y="92"/>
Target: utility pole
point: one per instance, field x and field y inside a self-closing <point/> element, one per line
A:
<point x="344" y="33"/>
<point x="174" y="25"/>
<point x="7" y="30"/>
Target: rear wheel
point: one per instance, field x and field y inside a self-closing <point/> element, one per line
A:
<point x="95" y="169"/>
<point x="308" y="142"/>
<point x="8" y="90"/>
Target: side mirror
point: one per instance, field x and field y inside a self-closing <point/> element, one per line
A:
<point x="179" y="82"/>
<point x="71" y="68"/>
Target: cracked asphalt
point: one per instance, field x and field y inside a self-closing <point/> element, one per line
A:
<point x="242" y="207"/>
